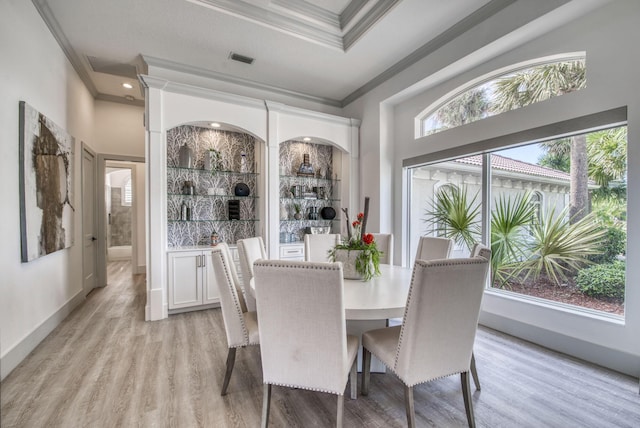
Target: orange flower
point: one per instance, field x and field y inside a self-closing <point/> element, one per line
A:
<point x="355" y="223"/>
<point x="368" y="238"/>
<point x="360" y="216"/>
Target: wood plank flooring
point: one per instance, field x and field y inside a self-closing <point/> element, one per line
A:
<point x="104" y="366"/>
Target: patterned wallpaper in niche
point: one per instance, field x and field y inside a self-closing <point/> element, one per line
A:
<point x="204" y="207"/>
<point x="320" y="157"/>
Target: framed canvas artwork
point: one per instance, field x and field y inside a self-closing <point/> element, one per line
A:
<point x="46" y="185"/>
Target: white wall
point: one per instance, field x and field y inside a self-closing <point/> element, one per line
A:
<point x="119" y="128"/>
<point x="35" y="296"/>
<point x="609" y="36"/>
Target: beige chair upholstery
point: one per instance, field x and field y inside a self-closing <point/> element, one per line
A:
<point x="303" y="339"/>
<point x="438" y="329"/>
<point x="384" y="242"/>
<point x="250" y="250"/>
<point x="240" y="325"/>
<point x="432" y="248"/>
<point x="478" y="250"/>
<point x="317" y="246"/>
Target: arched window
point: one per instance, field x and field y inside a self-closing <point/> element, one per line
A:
<point x="503" y="90"/>
<point x="536" y="202"/>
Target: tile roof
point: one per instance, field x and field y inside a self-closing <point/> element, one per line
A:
<point x="513" y="165"/>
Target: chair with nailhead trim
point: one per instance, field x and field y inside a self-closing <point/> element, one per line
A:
<point x="438" y="329"/>
<point x="317" y="246"/>
<point x="384" y="242"/>
<point x="250" y="250"/>
<point x="303" y="339"/>
<point x="240" y="325"/>
<point x="433" y="247"/>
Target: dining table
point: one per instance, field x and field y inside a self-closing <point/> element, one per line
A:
<point x="371" y="304"/>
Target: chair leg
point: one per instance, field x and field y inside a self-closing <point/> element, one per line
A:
<point x="266" y="403"/>
<point x="408" y="404"/>
<point x="466" y="394"/>
<point x="474" y="372"/>
<point x="366" y="371"/>
<point x="339" y="411"/>
<point x="353" y="379"/>
<point x="231" y="360"/>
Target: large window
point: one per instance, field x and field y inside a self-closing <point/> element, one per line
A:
<point x="557" y="222"/>
<point x="505" y="90"/>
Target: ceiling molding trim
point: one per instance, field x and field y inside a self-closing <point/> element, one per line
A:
<point x="300" y="112"/>
<point x="200" y="92"/>
<point x="350" y="12"/>
<point x="309" y="11"/>
<point x="121" y="100"/>
<point x="275" y="20"/>
<point x="450" y="34"/>
<point x="76" y="62"/>
<point x="197" y="71"/>
<point x="379" y="10"/>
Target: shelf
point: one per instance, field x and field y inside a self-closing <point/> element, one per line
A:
<point x="253" y="220"/>
<point x="306" y="220"/>
<point x="212" y="196"/>
<point x="200" y="170"/>
<point x="295" y="177"/>
<point x="308" y="199"/>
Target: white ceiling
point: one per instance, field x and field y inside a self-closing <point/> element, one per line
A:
<point x="330" y="50"/>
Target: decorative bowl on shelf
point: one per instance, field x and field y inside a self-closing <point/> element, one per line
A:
<point x="318" y="230"/>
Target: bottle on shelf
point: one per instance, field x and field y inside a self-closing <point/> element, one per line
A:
<point x="183" y="211"/>
<point x="244" y="168"/>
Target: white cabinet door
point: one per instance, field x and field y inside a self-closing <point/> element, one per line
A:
<point x="292" y="252"/>
<point x="210" y="293"/>
<point x="185" y="279"/>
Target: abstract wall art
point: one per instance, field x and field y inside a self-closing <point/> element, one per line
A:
<point x="46" y="185"/>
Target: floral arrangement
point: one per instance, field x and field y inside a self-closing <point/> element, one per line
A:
<point x="368" y="258"/>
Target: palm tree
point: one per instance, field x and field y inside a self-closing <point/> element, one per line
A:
<point x="465" y="108"/>
<point x="541" y="83"/>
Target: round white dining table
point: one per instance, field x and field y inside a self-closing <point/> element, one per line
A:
<point x="382" y="297"/>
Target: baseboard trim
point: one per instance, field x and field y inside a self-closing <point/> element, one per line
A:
<point x="140" y="270"/>
<point x="22" y="349"/>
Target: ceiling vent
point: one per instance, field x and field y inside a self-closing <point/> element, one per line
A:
<point x="241" y="58"/>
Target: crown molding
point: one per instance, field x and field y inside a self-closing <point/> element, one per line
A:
<point x="114" y="99"/>
<point x="197" y="71"/>
<point x="305" y="20"/>
<point x="277" y="107"/>
<point x="76" y="62"/>
<point x="450" y="34"/>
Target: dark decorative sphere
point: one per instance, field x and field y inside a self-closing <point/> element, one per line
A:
<point x="328" y="213"/>
<point x="241" y="189"/>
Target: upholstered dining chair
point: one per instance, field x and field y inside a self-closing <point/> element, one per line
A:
<point x="432" y="247"/>
<point x="482" y="251"/>
<point x="384" y="242"/>
<point x="240" y="325"/>
<point x="303" y="339"/>
<point x="438" y="329"/>
<point x="316" y="246"/>
<point x="250" y="250"/>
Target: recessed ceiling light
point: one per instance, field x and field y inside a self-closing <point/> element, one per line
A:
<point x="306" y="139"/>
<point x="215" y="125"/>
<point x="127" y="85"/>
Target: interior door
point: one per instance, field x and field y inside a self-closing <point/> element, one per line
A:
<point x="89" y="253"/>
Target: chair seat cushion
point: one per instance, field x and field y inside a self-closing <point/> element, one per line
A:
<point x="383" y="343"/>
<point x="251" y="321"/>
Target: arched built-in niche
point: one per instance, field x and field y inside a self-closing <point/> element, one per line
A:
<point x="313" y="187"/>
<point x="209" y="171"/>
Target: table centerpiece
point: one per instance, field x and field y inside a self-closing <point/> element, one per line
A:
<point x="358" y="253"/>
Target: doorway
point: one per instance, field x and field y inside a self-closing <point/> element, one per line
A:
<point x="121" y="216"/>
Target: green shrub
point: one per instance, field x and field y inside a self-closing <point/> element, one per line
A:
<point x="605" y="280"/>
<point x="614" y="243"/>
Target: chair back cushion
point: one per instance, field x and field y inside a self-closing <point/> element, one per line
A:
<point x="230" y="297"/>
<point x="250" y="250"/>
<point x="440" y="318"/>
<point x="316" y="247"/>
<point x="384" y="242"/>
<point x="433" y="248"/>
<point x="480" y="250"/>
<point x="302" y="324"/>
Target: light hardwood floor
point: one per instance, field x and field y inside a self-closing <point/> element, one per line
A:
<point x="105" y="367"/>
